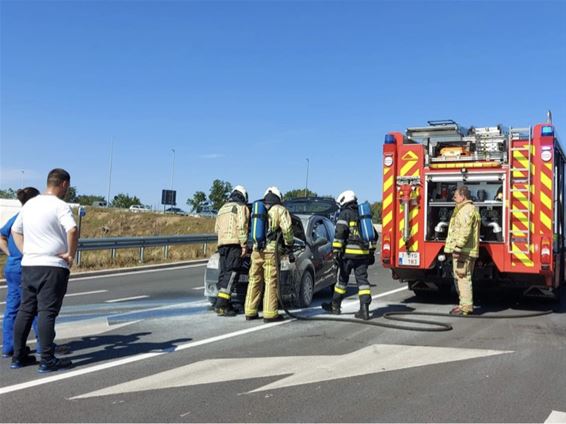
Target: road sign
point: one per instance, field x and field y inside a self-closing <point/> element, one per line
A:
<point x="168" y="197"/>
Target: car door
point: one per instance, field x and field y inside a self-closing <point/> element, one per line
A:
<point x="322" y="253"/>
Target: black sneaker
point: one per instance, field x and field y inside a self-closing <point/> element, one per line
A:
<point x="274" y="319"/>
<point x="24" y="361"/>
<point x="54" y="365"/>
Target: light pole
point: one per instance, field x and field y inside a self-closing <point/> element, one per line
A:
<point x="110" y="174"/>
<point x="173" y="169"/>
<point x="307" y="181"/>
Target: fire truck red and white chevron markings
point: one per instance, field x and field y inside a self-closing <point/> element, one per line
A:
<point x="519" y="222"/>
<point x="410" y="168"/>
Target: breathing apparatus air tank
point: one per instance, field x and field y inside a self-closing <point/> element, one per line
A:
<point x="258" y="226"/>
<point x="366" y="226"/>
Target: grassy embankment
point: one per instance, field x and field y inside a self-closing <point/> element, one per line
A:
<point x="100" y="222"/>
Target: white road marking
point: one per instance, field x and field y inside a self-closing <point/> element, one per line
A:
<point x="76" y="294"/>
<point x="95" y="368"/>
<point x="136" y="358"/>
<point x="119" y="274"/>
<point x="556" y="417"/>
<point x="88" y="292"/>
<point x="198" y="288"/>
<point x="303" y="369"/>
<point x="125" y="299"/>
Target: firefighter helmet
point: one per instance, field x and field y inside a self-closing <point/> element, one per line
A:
<point x="346" y="197"/>
<point x="274" y="190"/>
<point x="242" y="190"/>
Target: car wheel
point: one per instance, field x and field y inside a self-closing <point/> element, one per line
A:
<point x="306" y="290"/>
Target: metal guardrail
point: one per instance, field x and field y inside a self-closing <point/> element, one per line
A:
<point x="114" y="243"/>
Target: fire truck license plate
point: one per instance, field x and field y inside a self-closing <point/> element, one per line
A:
<point x="409" y="258"/>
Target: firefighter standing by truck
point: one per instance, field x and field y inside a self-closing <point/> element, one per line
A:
<point x="263" y="269"/>
<point x="232" y="229"/>
<point x="463" y="243"/>
<point x="351" y="253"/>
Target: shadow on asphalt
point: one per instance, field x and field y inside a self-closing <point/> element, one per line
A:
<point x="117" y="346"/>
<point x="379" y="312"/>
<point x="493" y="300"/>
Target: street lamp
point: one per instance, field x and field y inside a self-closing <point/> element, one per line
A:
<point x="307" y="181"/>
<point x="110" y="174"/>
<point x="173" y="168"/>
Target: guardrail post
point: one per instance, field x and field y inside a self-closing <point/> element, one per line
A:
<point x="165" y="251"/>
<point x="205" y="248"/>
<point x="142" y="250"/>
<point x="113" y="255"/>
<point x="78" y="260"/>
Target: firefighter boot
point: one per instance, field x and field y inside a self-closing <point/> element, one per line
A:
<point x="333" y="307"/>
<point x="363" y="313"/>
<point x="226" y="311"/>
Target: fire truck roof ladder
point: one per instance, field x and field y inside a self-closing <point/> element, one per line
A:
<point x="518" y="177"/>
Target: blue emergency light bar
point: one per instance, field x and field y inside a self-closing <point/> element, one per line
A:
<point x="547" y="130"/>
<point x="389" y="139"/>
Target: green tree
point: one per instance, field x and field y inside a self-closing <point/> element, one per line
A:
<point x="122" y="200"/>
<point x="376" y="209"/>
<point x="89" y="199"/>
<point x="195" y="203"/>
<point x="219" y="193"/>
<point x="298" y="192"/>
<point x="71" y="196"/>
<point x="7" y="194"/>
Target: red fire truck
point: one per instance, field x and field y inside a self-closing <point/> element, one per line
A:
<point x="516" y="177"/>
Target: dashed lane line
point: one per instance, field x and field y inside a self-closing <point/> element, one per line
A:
<point x="125" y="299"/>
<point x="119" y="274"/>
<point x="76" y="294"/>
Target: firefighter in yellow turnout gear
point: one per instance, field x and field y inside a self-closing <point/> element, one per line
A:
<point x="462" y="242"/>
<point x="263" y="269"/>
<point x="232" y="229"/>
<point x="351" y="253"/>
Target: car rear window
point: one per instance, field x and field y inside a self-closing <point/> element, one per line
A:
<point x="312" y="206"/>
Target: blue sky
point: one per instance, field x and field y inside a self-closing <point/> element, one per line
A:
<point x="246" y="91"/>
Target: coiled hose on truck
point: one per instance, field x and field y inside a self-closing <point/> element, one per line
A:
<point x="434" y="326"/>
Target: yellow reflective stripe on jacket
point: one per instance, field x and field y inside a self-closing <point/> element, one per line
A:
<point x="339" y="290"/>
<point x="224" y="295"/>
<point x="337" y="243"/>
<point x="357" y="251"/>
<point x="362" y="292"/>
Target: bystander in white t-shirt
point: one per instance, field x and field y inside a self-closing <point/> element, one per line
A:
<point x="44" y="222"/>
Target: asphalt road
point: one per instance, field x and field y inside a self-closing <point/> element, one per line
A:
<point x="148" y="349"/>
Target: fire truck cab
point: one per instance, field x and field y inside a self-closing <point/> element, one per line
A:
<point x="516" y="177"/>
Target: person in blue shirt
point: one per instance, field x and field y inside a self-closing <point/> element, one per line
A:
<point x="13" y="274"/>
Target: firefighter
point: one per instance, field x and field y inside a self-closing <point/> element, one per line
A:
<point x="263" y="268"/>
<point x="232" y="229"/>
<point x="351" y="253"/>
<point x="463" y="243"/>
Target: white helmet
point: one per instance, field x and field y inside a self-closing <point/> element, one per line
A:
<point x="241" y="189"/>
<point x="346" y="197"/>
<point x="273" y="190"/>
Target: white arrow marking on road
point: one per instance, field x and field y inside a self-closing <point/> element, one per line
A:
<point x="302" y="369"/>
<point x="556" y="417"/>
